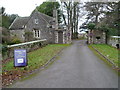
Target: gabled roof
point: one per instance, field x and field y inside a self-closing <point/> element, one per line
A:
<point x="46" y="17"/>
<point x="20" y="22"/>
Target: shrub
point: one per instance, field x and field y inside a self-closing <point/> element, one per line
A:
<point x="5" y="36"/>
<point x="29" y="36"/>
<point x="3" y="48"/>
<point x="91" y="26"/>
<point x="15" y="40"/>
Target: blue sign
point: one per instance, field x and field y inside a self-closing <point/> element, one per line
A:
<point x="20" y="57"/>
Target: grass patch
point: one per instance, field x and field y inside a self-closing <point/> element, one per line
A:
<point x="37" y="58"/>
<point x="36" y="73"/>
<point x="102" y="58"/>
<point x="110" y="52"/>
<point x="97" y="54"/>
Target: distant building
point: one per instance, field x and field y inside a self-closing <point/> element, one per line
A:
<point x="114" y="40"/>
<point x="41" y="26"/>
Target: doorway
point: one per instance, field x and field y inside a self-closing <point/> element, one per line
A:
<point x="60" y="37"/>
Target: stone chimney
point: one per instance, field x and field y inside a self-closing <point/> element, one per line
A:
<point x="55" y="16"/>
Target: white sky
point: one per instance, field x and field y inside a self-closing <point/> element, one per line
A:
<point x="20" y="7"/>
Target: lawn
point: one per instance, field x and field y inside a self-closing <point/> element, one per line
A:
<point x="36" y="58"/>
<point x="110" y="52"/>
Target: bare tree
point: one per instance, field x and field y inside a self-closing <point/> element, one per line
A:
<point x="95" y="11"/>
<point x="71" y="21"/>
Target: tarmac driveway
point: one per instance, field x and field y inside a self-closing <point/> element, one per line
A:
<point x="76" y="67"/>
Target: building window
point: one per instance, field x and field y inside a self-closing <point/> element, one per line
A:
<point x="37" y="33"/>
<point x="36" y="21"/>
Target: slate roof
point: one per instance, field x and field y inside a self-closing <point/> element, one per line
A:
<point x="20" y="22"/>
<point x="46" y="18"/>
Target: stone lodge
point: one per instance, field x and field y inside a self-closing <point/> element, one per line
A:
<point x="39" y="26"/>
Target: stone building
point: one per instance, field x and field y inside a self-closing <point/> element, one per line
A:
<point x="62" y="36"/>
<point x="96" y="37"/>
<point x="40" y="26"/>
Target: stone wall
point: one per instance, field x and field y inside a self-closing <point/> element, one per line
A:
<point x="65" y="36"/>
<point x="56" y="36"/>
<point x="47" y="34"/>
<point x="99" y="37"/>
<point x="96" y="37"/>
<point x="113" y="40"/>
<point x="18" y="33"/>
<point x="29" y="46"/>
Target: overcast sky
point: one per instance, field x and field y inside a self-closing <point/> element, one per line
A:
<point x="25" y="7"/>
<point x="20" y="7"/>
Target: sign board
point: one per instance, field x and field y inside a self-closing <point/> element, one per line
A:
<point x="20" y="58"/>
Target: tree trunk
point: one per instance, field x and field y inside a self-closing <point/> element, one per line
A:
<point x="96" y="19"/>
<point x="74" y="20"/>
<point x="77" y="23"/>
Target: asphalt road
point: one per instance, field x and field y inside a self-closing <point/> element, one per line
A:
<point x="77" y="67"/>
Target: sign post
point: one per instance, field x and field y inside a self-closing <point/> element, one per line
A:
<point x="20" y="58"/>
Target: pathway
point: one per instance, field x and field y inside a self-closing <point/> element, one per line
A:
<point x="77" y="67"/>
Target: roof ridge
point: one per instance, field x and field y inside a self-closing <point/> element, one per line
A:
<point x="24" y="17"/>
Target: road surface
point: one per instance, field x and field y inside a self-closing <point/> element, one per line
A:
<point x="77" y="67"/>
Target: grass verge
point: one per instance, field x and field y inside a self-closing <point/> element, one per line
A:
<point x="108" y="51"/>
<point x="36" y="59"/>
